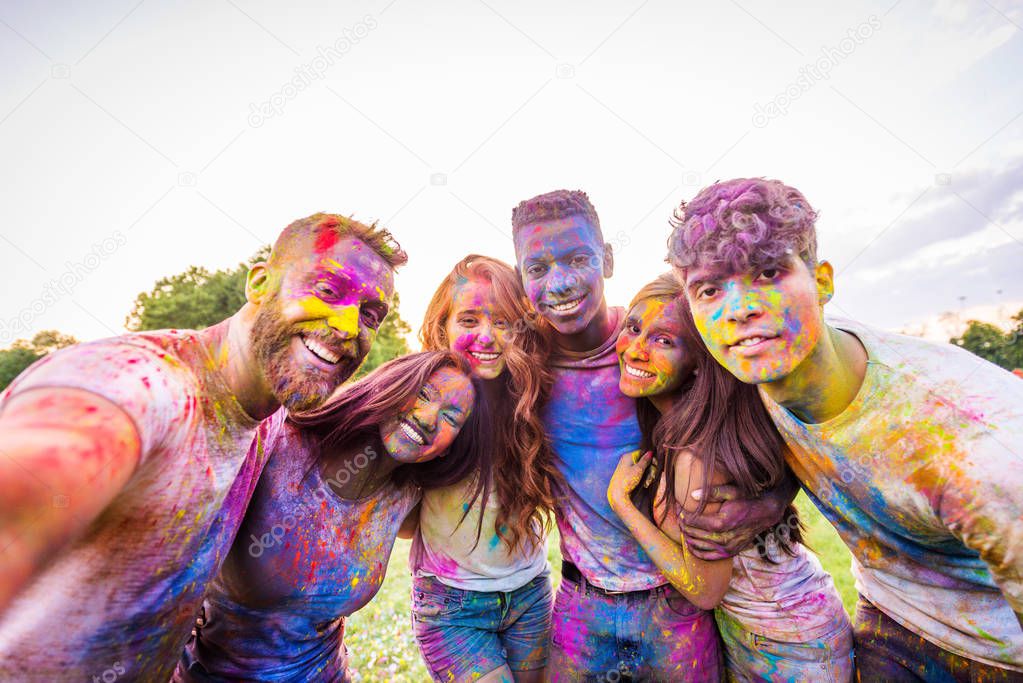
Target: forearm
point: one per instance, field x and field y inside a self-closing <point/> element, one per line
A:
<point x="703" y="583"/>
<point x="64" y="455"/>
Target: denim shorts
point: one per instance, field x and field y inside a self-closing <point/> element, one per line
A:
<point x="465" y="634"/>
<point x="753" y="657"/>
<point x="651" y="635"/>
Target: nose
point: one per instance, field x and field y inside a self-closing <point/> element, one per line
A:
<point x="637" y="350"/>
<point x="560" y="281"/>
<point x="742" y="305"/>
<point x="426" y="416"/>
<point x="485" y="335"/>
<point x="345" y="320"/>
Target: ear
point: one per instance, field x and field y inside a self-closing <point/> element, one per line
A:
<point x="609" y="260"/>
<point x="824" y="275"/>
<point x="257" y="283"/>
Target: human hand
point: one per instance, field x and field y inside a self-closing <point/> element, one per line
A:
<point x="736" y="523"/>
<point x="627" y="476"/>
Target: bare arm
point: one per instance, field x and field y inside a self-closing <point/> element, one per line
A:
<point x="410" y="524"/>
<point x="64" y="455"/>
<point x="703" y="583"/>
<point x="725" y="533"/>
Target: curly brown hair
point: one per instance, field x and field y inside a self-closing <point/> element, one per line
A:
<point x="525" y="467"/>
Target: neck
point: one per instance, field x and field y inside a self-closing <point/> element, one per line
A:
<point x="827" y="380"/>
<point x="232" y="350"/>
<point x="493" y="388"/>
<point x="662" y="402"/>
<point x="593" y="335"/>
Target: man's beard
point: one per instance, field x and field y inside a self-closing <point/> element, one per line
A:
<point x="295" y="385"/>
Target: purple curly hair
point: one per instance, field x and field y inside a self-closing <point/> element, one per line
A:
<point x="743" y="224"/>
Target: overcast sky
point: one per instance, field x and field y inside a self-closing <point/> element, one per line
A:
<point x="139" y="138"/>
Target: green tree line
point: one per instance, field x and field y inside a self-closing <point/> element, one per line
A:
<point x="194" y="299"/>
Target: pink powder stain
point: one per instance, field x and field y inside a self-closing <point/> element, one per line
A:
<point x="326" y="240"/>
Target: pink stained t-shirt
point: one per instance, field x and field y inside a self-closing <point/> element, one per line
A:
<point x="446" y="547"/>
<point x="124" y="595"/>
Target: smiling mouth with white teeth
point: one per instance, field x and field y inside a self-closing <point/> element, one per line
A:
<point x="320" y="351"/>
<point x="483" y="356"/>
<point x="567" y="306"/>
<point x="412" y="432"/>
<point x="637" y="373"/>
<point x="752" y="341"/>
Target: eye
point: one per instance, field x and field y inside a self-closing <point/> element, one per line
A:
<point x="501" y="324"/>
<point x="467" y="321"/>
<point x="633" y="328"/>
<point x="372" y="317"/>
<point x="451" y="419"/>
<point x="707" y="292"/>
<point x="324" y="289"/>
<point x="770" y="273"/>
<point x="665" y="341"/>
<point x="580" y="261"/>
<point x="423" y="395"/>
<point x="536" y="270"/>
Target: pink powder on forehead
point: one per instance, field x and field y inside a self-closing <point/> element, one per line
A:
<point x="326" y="240"/>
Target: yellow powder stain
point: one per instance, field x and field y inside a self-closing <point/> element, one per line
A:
<point x="343" y="319"/>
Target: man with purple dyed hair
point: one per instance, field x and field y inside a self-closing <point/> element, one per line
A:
<point x="614" y="606"/>
<point x="912" y="450"/>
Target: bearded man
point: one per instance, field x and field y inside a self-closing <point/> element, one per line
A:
<point x="126" y="464"/>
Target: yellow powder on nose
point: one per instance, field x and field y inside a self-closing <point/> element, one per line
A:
<point x="343" y="319"/>
<point x="348" y="321"/>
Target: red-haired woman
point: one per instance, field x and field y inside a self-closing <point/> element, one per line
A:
<point x="779" y="614"/>
<point x="316" y="537"/>
<point x="481" y="595"/>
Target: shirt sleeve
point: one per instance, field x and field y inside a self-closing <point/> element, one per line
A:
<point x="149" y="385"/>
<point x="982" y="502"/>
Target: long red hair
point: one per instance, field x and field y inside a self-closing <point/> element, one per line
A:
<point x="526" y="474"/>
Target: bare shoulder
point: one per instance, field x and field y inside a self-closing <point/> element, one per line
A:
<point x="689" y="476"/>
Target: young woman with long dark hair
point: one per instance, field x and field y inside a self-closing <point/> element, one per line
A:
<point x="779" y="614"/>
<point x="337" y="485"/>
<point x="481" y="591"/>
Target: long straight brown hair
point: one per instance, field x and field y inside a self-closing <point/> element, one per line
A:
<point x="525" y="466"/>
<point x="353" y="415"/>
<point x="720" y="420"/>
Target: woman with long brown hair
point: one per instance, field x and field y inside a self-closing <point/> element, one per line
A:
<point x="481" y="595"/>
<point x="779" y="614"/>
<point x="337" y="485"/>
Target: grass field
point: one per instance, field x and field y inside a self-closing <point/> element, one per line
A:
<point x="379" y="637"/>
